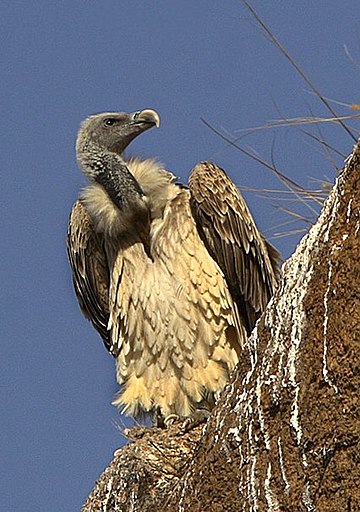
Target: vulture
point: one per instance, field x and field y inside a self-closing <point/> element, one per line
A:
<point x="172" y="277"/>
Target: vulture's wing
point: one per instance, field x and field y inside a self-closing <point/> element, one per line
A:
<point x="90" y="270"/>
<point x="226" y="226"/>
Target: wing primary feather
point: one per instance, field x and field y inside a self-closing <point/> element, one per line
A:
<point x="224" y="222"/>
<point x="90" y="270"/>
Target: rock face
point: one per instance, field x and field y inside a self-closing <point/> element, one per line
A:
<point x="285" y="435"/>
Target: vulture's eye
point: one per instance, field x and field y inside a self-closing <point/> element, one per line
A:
<point x="110" y="121"/>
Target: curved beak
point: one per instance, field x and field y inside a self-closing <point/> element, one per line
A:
<point x="147" y="116"/>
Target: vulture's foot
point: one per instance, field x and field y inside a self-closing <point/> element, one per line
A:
<point x="198" y="417"/>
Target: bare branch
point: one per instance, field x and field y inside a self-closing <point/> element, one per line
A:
<point x="283" y="50"/>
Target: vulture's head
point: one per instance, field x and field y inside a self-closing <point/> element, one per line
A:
<point x="113" y="131"/>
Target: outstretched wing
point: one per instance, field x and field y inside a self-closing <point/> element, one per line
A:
<point x="226" y="226"/>
<point x="90" y="270"/>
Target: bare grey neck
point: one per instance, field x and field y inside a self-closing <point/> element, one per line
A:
<point x="109" y="170"/>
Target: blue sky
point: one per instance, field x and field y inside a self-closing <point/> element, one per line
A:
<point x="62" y="61"/>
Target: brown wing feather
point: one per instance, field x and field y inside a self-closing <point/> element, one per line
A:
<point x="226" y="226"/>
<point x="90" y="270"/>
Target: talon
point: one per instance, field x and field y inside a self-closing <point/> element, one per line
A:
<point x="200" y="416"/>
<point x="171" y="420"/>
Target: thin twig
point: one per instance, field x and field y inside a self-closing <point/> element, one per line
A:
<point x="283" y="50"/>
